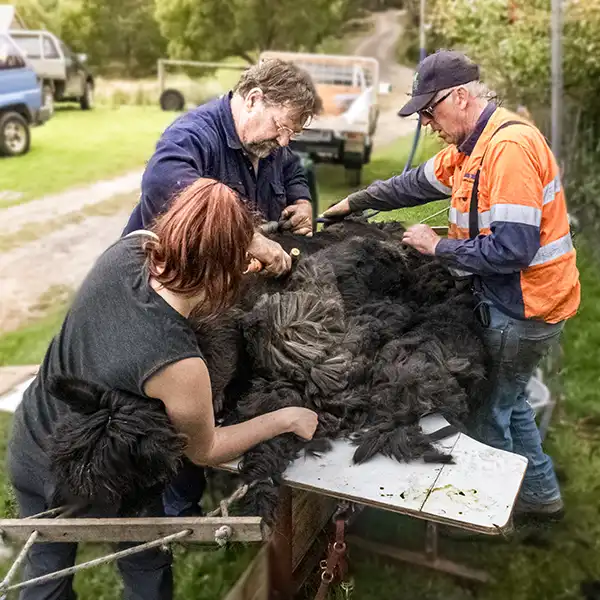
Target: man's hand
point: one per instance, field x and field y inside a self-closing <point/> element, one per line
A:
<point x="339" y="210"/>
<point x="268" y="256"/>
<point x="298" y="218"/>
<point x="422" y="238"/>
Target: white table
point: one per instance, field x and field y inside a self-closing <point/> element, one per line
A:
<point x="476" y="493"/>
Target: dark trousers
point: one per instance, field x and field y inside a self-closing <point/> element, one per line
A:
<point x="146" y="576"/>
<point x="182" y="496"/>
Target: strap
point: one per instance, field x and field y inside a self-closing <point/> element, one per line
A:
<point x="443" y="433"/>
<point x="335" y="566"/>
<point x="141" y="232"/>
<point x="473" y="213"/>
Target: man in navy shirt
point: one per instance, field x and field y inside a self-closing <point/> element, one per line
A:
<point x="241" y="139"/>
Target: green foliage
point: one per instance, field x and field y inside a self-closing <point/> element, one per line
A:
<point x="213" y="29"/>
<point x="513" y="45"/>
<point x="117" y="35"/>
<point x="511" y="40"/>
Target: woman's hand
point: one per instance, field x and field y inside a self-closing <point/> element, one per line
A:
<point x="301" y="421"/>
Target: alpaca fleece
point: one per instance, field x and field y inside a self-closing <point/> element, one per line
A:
<point x="368" y="333"/>
<point x="112" y="450"/>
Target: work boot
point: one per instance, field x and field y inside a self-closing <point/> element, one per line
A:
<point x="549" y="512"/>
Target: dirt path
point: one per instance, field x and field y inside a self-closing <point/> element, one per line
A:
<point x="58" y="261"/>
<point x="49" y="207"/>
<point x="61" y="256"/>
<point x="381" y="44"/>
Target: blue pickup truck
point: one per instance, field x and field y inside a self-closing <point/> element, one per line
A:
<point x="20" y="100"/>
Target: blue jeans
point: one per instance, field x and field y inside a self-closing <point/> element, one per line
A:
<point x="505" y="420"/>
<point x="146" y="575"/>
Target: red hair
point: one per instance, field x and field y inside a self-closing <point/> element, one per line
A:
<point x="201" y="247"/>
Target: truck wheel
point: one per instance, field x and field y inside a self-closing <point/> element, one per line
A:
<point x="353" y="176"/>
<point x="48" y="98"/>
<point x="87" y="100"/>
<point x="172" y="100"/>
<point x="14" y="134"/>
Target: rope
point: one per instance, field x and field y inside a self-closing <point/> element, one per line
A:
<point x="48" y="513"/>
<point x="439" y="212"/>
<point x="93" y="563"/>
<point x="18" y="561"/>
<point x="222" y="536"/>
<point x="224" y="505"/>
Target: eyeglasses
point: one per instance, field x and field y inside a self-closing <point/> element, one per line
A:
<point x="290" y="132"/>
<point x="428" y="112"/>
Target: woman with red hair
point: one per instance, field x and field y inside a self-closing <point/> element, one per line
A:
<point x="128" y="329"/>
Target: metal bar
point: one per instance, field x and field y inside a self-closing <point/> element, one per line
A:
<point x="18" y="561"/>
<point x="431" y="542"/>
<point x="161" y="75"/>
<point x="197" y="63"/>
<point x="247" y="529"/>
<point x="557" y="78"/>
<point x="417" y="558"/>
<point x="422" y="29"/>
<point x="100" y="561"/>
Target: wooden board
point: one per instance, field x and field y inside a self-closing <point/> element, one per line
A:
<point x="244" y="529"/>
<point x="310" y="513"/>
<point x="254" y="582"/>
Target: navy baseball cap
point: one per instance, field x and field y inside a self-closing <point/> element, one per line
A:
<point x="439" y="71"/>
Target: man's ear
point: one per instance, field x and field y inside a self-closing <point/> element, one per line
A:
<point x="463" y="96"/>
<point x="253" y="97"/>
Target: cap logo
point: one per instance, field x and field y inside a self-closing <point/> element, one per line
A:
<point x="415" y="82"/>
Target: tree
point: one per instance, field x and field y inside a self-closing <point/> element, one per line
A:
<point x="119" y="36"/>
<point x="216" y="29"/>
<point x="511" y="40"/>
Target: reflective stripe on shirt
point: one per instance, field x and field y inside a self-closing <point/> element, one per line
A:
<point x="553" y="250"/>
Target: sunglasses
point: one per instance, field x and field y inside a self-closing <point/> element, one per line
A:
<point x="428" y="112"/>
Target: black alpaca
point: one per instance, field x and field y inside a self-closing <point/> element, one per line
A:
<point x="366" y="332"/>
<point x="112" y="450"/>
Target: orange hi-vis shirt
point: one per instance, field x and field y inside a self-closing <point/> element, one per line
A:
<point x="524" y="255"/>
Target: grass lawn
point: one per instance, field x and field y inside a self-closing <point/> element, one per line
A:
<point x="539" y="565"/>
<point x="78" y="147"/>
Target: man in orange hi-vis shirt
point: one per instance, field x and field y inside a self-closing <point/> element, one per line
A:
<point x="508" y="234"/>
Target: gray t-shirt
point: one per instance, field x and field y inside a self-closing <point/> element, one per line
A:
<point x="117" y="333"/>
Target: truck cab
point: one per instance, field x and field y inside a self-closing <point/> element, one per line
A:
<point x="349" y="87"/>
<point x="63" y="73"/>
<point x="21" y="103"/>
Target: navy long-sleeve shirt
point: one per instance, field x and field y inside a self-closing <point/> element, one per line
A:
<point x="204" y="143"/>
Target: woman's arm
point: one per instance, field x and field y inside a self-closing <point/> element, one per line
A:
<point x="184" y="388"/>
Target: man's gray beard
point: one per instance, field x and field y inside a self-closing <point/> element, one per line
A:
<point x="261" y="149"/>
